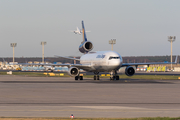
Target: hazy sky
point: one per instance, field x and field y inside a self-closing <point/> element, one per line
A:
<point x="140" y="27"/>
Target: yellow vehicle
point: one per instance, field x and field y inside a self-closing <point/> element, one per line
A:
<point x="19" y="69"/>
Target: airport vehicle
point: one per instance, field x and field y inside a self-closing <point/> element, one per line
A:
<point x="19" y="69"/>
<point x="100" y="61"/>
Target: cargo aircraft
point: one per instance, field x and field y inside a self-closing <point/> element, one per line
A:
<point x="100" y="61"/>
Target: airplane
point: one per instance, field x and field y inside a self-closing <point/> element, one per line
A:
<point x="100" y="61"/>
<point x="78" y="31"/>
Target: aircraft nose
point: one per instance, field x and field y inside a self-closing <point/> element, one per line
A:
<point x="118" y="62"/>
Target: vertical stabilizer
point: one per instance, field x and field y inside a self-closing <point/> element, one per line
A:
<point x="83" y="32"/>
<point x="85" y="46"/>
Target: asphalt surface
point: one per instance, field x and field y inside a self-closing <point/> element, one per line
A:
<point x="22" y="96"/>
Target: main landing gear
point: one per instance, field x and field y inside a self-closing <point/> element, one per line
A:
<point x="114" y="75"/>
<point x="78" y="77"/>
<point x="96" y="75"/>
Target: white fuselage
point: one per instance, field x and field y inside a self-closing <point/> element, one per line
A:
<point x="101" y="61"/>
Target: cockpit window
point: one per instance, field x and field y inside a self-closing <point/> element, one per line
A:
<point x="114" y="58"/>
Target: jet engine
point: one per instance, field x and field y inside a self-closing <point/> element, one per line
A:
<point x="129" y="71"/>
<point x="73" y="71"/>
<point x="86" y="47"/>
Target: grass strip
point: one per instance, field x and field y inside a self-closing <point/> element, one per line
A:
<point x="146" y="77"/>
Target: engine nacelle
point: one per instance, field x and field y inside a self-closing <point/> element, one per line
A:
<point x="86" y="47"/>
<point x="73" y="71"/>
<point x="129" y="71"/>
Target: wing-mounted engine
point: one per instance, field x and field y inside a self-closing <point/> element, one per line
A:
<point x="129" y="71"/>
<point x="73" y="71"/>
<point x="86" y="47"/>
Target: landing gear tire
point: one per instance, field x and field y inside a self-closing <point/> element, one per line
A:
<point x="97" y="77"/>
<point x="76" y="77"/>
<point x="94" y="77"/>
<point x="81" y="77"/>
<point x="114" y="78"/>
<point x="117" y="77"/>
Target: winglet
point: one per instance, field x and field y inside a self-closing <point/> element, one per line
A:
<point x="83" y="32"/>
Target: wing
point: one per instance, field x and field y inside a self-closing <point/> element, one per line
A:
<point x="152" y="63"/>
<point x="67" y="58"/>
<point x="79" y="66"/>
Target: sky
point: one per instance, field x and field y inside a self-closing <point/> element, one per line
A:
<point x="140" y="27"/>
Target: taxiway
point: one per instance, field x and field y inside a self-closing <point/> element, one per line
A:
<point x="22" y="96"/>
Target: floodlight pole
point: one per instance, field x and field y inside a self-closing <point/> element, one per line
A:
<point x="13" y="45"/>
<point x="74" y="60"/>
<point x="43" y="43"/>
<point x="112" y="41"/>
<point x="171" y="39"/>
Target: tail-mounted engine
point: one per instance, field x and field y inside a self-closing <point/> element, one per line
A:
<point x="73" y="71"/>
<point x="129" y="71"/>
<point x="86" y="47"/>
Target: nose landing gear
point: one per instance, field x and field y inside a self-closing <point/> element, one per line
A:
<point x="114" y="75"/>
<point x="78" y="77"/>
